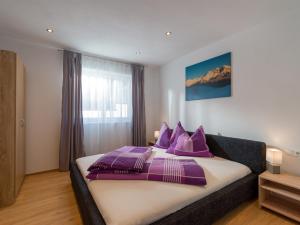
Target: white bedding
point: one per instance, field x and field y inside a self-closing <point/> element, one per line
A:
<point x="124" y="202"/>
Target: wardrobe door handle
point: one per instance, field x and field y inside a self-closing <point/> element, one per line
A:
<point x="22" y="123"/>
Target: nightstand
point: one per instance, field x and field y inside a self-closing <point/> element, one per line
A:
<point x="151" y="143"/>
<point x="280" y="193"/>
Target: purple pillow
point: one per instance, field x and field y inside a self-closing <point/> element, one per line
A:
<point x="163" y="140"/>
<point x="175" y="135"/>
<point x="193" y="146"/>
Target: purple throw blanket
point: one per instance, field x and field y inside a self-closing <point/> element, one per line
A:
<point x="127" y="158"/>
<point x="182" y="171"/>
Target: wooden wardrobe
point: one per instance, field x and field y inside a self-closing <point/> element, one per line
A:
<point x="12" y="126"/>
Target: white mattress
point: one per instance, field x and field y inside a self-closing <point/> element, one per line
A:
<point x="142" y="202"/>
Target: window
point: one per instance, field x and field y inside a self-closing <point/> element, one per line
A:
<point x="106" y="91"/>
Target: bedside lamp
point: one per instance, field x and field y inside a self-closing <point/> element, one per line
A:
<point x="156" y="135"/>
<point x="274" y="160"/>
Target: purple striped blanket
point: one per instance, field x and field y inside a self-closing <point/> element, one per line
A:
<point x="182" y="171"/>
<point x="128" y="158"/>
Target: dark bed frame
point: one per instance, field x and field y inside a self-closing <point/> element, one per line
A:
<point x="206" y="210"/>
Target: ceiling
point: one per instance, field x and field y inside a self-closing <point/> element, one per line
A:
<point x="121" y="28"/>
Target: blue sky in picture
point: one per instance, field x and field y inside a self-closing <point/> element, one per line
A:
<point x="202" y="68"/>
<point x="205" y="91"/>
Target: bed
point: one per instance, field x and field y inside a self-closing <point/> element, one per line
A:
<point x="106" y="202"/>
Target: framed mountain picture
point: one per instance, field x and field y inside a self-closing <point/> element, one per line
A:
<point x="209" y="79"/>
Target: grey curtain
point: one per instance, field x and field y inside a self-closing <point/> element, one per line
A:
<point x="138" y="104"/>
<point x="71" y="137"/>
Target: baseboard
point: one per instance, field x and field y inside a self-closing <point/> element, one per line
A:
<point x="44" y="171"/>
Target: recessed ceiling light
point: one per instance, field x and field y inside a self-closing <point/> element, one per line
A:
<point x="168" y="33"/>
<point x="49" y="30"/>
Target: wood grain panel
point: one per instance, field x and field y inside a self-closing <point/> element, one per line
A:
<point x="7" y="126"/>
<point x="20" y="126"/>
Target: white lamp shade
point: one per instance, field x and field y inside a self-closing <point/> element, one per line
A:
<point x="274" y="156"/>
<point x="156" y="134"/>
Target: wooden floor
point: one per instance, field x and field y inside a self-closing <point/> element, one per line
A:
<point x="48" y="199"/>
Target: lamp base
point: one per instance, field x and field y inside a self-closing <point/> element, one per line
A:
<point x="273" y="168"/>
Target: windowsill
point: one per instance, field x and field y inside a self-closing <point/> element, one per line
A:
<point x="106" y="122"/>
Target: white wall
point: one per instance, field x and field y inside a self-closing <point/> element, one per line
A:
<point x="152" y="100"/>
<point x="265" y="102"/>
<point x="43" y="102"/>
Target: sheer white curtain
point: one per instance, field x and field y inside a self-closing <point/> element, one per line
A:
<point x="106" y="104"/>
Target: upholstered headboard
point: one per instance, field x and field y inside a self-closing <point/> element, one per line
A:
<point x="249" y="153"/>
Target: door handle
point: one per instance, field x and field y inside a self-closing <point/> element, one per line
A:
<point x="22" y="123"/>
